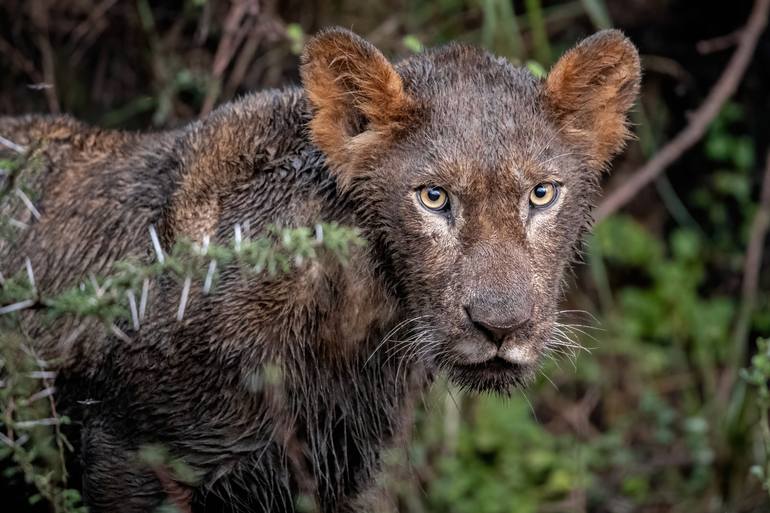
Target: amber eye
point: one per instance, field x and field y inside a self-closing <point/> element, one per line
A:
<point x="433" y="198"/>
<point x="543" y="194"/>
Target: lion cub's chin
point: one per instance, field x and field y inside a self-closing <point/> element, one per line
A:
<point x="496" y="375"/>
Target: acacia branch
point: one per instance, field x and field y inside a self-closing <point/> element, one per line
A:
<point x="701" y="119"/>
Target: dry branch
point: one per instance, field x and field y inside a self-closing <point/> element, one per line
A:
<point x="701" y="119"/>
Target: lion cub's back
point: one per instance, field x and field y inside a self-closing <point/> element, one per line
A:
<point x="75" y="199"/>
<point x="84" y="195"/>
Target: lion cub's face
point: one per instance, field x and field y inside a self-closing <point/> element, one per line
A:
<point x="477" y="179"/>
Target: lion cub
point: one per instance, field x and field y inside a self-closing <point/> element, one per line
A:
<point x="471" y="181"/>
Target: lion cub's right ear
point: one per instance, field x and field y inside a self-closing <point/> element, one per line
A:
<point x="358" y="98"/>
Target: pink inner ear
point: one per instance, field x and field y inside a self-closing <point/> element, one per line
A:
<point x="590" y="91"/>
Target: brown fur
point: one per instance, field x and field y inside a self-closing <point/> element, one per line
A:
<point x="357" y="96"/>
<point x="590" y="90"/>
<point x="471" y="291"/>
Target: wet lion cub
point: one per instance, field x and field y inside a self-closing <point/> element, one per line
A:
<point x="471" y="182"/>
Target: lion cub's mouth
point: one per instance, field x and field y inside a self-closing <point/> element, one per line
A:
<point x="496" y="364"/>
<point x="495" y="374"/>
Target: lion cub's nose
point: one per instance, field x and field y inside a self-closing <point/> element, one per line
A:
<point x="499" y="319"/>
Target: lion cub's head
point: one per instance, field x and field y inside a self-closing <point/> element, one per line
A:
<point x="475" y="181"/>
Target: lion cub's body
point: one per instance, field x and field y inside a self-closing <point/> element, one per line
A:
<point x="185" y="384"/>
<point x="469" y="287"/>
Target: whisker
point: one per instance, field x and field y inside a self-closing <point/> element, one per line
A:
<point x="573" y="329"/>
<point x="571" y="344"/>
<point x="548" y="379"/>
<point x="531" y="408"/>
<point x="583" y="312"/>
<point x="586" y="326"/>
<point x="391" y="333"/>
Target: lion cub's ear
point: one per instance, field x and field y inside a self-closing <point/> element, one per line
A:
<point x="357" y="96"/>
<point x="590" y="90"/>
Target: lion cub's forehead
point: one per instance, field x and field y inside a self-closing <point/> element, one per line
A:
<point x="490" y="153"/>
<point x="458" y="80"/>
<point x="481" y="117"/>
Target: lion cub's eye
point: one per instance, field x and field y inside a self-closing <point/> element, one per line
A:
<point x="433" y="198"/>
<point x="543" y="194"/>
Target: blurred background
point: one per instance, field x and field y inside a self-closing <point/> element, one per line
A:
<point x="667" y="408"/>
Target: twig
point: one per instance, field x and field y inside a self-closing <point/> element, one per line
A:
<point x="39" y="14"/>
<point x="48" y="392"/>
<point x="751" y="268"/>
<point x="717" y="44"/>
<point x="19" y="61"/>
<point x="90" y="23"/>
<point x="722" y="90"/>
<point x="236" y="25"/>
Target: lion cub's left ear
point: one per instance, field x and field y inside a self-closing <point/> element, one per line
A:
<point x="357" y="96"/>
<point x="590" y="91"/>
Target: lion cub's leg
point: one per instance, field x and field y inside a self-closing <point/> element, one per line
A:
<point x="115" y="480"/>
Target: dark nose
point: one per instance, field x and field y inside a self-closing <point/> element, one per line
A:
<point x="498" y="319"/>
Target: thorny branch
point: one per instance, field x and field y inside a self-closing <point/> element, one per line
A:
<point x="701" y="119"/>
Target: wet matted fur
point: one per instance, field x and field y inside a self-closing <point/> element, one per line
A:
<point x="470" y="289"/>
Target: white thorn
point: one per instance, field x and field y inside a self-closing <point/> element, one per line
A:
<point x="27" y="203"/>
<point x="30" y="274"/>
<point x="12" y="145"/>
<point x="143" y="298"/>
<point x="18" y="224"/>
<point x="42" y="375"/>
<point x="27" y="424"/>
<point x="99" y="291"/>
<point x="237" y="237"/>
<point x="209" y="276"/>
<point x="21" y="305"/>
<point x="40" y="86"/>
<point x="46" y="392"/>
<point x="183" y="299"/>
<point x="156" y="244"/>
<point x="319" y="233"/>
<point x="132" y="306"/>
<point x="205" y="246"/>
<point x="73" y="336"/>
<point x="120" y="334"/>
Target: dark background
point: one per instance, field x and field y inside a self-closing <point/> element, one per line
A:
<point x="652" y="419"/>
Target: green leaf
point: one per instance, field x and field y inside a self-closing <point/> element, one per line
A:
<point x="412" y="43"/>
